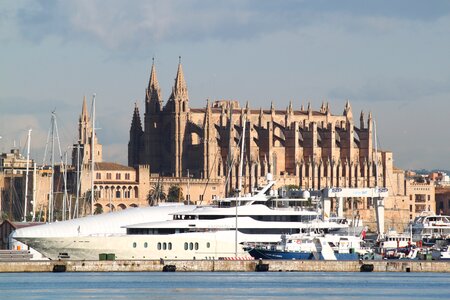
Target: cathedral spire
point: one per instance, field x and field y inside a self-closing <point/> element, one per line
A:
<point x="135" y="143"/>
<point x="361" y="120"/>
<point x="153" y="96"/>
<point x="180" y="87"/>
<point x="84" y="113"/>
<point x="348" y="110"/>
<point x="136" y="124"/>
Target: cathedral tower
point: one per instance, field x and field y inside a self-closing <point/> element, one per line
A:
<point x="85" y="140"/>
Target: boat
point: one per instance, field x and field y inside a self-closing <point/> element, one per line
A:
<point x="430" y="229"/>
<point x="205" y="232"/>
<point x="311" y="247"/>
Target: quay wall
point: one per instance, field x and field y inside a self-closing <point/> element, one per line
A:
<point x="226" y="266"/>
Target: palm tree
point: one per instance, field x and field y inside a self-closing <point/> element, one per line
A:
<point x="156" y="194"/>
<point x="175" y="194"/>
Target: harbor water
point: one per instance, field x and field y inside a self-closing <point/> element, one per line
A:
<point x="227" y="285"/>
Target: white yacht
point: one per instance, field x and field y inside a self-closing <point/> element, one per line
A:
<point x="430" y="228"/>
<point x="206" y="232"/>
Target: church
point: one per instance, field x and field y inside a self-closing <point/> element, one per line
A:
<point x="312" y="149"/>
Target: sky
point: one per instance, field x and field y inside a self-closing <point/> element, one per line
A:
<point x="388" y="57"/>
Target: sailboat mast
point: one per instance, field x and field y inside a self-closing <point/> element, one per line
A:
<point x="376" y="153"/>
<point x="52" y="180"/>
<point x="34" y="193"/>
<point x="26" y="177"/>
<point x="75" y="212"/>
<point x="241" y="162"/>
<point x="92" y="155"/>
<point x="64" y="206"/>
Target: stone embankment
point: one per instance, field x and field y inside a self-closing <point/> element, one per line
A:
<point x="226" y="266"/>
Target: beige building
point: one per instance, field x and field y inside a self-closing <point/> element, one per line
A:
<point x="310" y="148"/>
<point x="442" y="200"/>
<point x="12" y="187"/>
<point x="421" y="197"/>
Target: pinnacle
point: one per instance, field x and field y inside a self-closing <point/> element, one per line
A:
<point x="84" y="113"/>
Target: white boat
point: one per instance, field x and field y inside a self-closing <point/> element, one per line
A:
<point x="430" y="229"/>
<point x="211" y="232"/>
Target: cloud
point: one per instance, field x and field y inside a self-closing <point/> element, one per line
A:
<point x="124" y="25"/>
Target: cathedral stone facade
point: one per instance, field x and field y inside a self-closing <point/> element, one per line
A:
<point x="310" y="148"/>
<point x="318" y="148"/>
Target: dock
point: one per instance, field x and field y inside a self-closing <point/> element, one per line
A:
<point x="226" y="266"/>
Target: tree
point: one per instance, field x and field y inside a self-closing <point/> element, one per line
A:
<point x="156" y="194"/>
<point x="98" y="210"/>
<point x="175" y="194"/>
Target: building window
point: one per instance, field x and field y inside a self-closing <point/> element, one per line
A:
<point x="428" y="197"/>
<point x="117" y="194"/>
<point x="200" y="197"/>
<point x="126" y="194"/>
<point x="410" y="208"/>
<point x="118" y="176"/>
<point x="127" y="176"/>
<point x="98" y="176"/>
<point x="410" y="197"/>
<point x="108" y="175"/>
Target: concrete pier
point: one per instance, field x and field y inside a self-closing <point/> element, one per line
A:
<point x="226" y="266"/>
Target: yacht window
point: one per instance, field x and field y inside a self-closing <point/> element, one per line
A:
<point x="185" y="246"/>
<point x="169" y="246"/>
<point x="159" y="246"/>
<point x="134" y="245"/>
<point x="164" y="246"/>
<point x="208" y="245"/>
<point x="145" y="245"/>
<point x="196" y="246"/>
<point x="191" y="246"/>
